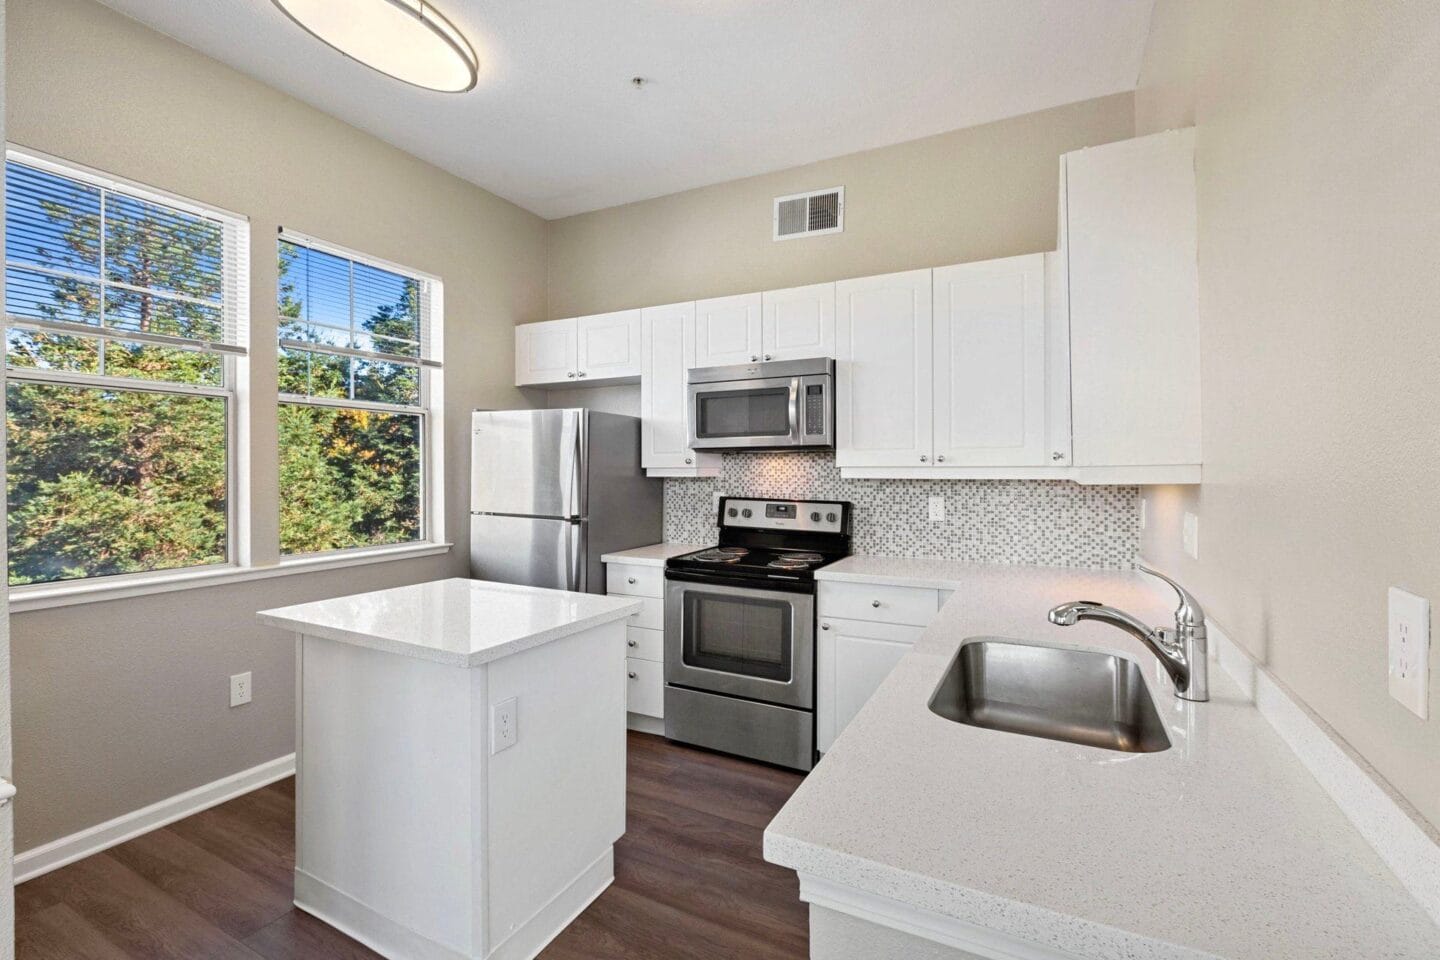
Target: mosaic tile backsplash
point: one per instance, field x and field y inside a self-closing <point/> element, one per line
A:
<point x="1040" y="522"/>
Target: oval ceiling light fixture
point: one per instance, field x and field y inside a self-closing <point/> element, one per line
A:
<point x="405" y="39"/>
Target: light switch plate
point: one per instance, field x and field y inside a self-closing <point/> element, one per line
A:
<point x="1410" y="651"/>
<point x="504" y="725"/>
<point x="937" y="509"/>
<point x="240" y="689"/>
<point x="1191" y="535"/>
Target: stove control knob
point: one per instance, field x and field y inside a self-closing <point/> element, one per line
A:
<point x="831" y="518"/>
<point x="745" y="513"/>
<point x="815" y="516"/>
<point x="731" y="512"/>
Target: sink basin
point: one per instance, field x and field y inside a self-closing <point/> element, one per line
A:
<point x="1058" y="693"/>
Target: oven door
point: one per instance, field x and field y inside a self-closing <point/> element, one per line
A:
<point x="746" y="413"/>
<point x="741" y="641"/>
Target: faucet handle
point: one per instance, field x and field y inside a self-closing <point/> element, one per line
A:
<point x="1189" y="613"/>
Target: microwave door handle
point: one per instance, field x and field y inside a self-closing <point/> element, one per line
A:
<point x="797" y="432"/>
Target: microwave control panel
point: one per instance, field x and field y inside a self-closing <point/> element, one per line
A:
<point x="814" y="410"/>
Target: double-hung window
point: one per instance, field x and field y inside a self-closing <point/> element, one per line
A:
<point x="125" y="317"/>
<point x="359" y="420"/>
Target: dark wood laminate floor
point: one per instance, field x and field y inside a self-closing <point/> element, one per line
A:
<point x="690" y="883"/>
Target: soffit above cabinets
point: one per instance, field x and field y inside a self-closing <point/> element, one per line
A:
<point x="734" y="87"/>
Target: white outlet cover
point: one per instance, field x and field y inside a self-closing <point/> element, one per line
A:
<point x="937" y="509"/>
<point x="504" y="725"/>
<point x="1144" y="512"/>
<point x="1191" y="536"/>
<point x="1409" y="654"/>
<point x="240" y="689"/>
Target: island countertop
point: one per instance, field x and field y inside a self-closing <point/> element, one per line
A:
<point x="458" y="621"/>
<point x="1222" y="846"/>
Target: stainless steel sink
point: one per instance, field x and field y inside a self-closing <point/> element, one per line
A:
<point x="1058" y="693"/>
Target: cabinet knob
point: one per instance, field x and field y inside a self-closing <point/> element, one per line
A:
<point x="924" y="458"/>
<point x="630" y="580"/>
<point x="1057" y="455"/>
<point x="688" y="461"/>
<point x="571" y="374"/>
<point x="875" y="603"/>
<point x="632" y="643"/>
<point x="631" y="674"/>
<point x="581" y="373"/>
<point x="754" y="357"/>
<point x="940" y="459"/>
<point x="767" y="356"/>
<point x="824" y="626"/>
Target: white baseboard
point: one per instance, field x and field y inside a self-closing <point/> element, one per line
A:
<point x="1403" y="839"/>
<point x="641" y="723"/>
<point x="57" y="853"/>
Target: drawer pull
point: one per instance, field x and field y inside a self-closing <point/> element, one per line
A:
<point x="824" y="626"/>
<point x="630" y="580"/>
<point x="875" y="603"/>
<point x="632" y="674"/>
<point x="632" y="643"/>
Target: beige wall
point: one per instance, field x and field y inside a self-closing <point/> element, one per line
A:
<point x="120" y="704"/>
<point x="973" y="194"/>
<point x="1319" y="243"/>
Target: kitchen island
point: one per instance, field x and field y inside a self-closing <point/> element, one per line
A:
<point x="460" y="761"/>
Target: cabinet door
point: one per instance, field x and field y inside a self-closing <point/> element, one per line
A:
<point x="798" y="323"/>
<point x="609" y="346"/>
<point x="884" y="395"/>
<point x="667" y="336"/>
<point x="990" y="363"/>
<point x="545" y="352"/>
<point x="853" y="658"/>
<point x="727" y="330"/>
<point x="1134" y="305"/>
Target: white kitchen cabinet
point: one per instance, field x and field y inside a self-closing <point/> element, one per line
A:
<point x="798" y="323"/>
<point x="727" y="331"/>
<point x="991" y="369"/>
<point x="884" y="391"/>
<point x="545" y="353"/>
<point x="667" y="336"/>
<point x="644" y="637"/>
<point x="1129" y="240"/>
<point x="853" y="658"/>
<point x="609" y="346"/>
<point x="604" y="348"/>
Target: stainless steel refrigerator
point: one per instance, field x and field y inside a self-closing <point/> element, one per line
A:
<point x="553" y="490"/>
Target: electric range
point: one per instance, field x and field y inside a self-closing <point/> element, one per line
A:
<point x="740" y="629"/>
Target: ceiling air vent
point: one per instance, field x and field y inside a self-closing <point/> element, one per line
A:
<point x="810" y="214"/>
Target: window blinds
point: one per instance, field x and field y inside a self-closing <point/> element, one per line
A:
<point x="333" y="301"/>
<point x="87" y="255"/>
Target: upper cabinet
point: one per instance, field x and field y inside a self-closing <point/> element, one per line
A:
<point x="604" y="347"/>
<point x="1128" y="241"/>
<point x="668" y="349"/>
<point x="727" y="330"/>
<point x="884" y="401"/>
<point x="798" y="323"/>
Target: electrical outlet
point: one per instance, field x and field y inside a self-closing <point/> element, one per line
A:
<point x="1191" y="536"/>
<point x="1410" y="651"/>
<point x="937" y="509"/>
<point x="504" y="729"/>
<point x="240" y="689"/>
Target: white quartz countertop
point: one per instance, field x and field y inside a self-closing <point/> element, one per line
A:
<point x="1222" y="846"/>
<point x="458" y="621"/>
<point x="654" y="555"/>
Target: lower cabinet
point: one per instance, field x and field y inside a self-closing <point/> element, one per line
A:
<point x="853" y="658"/>
<point x="644" y="636"/>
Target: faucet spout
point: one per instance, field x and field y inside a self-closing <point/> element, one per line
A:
<point x="1182" y="652"/>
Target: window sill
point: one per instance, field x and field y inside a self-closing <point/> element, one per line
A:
<point x="44" y="596"/>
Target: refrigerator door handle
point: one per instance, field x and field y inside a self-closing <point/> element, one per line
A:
<point x="572" y="465"/>
<point x="577" y="557"/>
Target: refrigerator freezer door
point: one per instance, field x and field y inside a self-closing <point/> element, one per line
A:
<point x="528" y="463"/>
<point x="533" y="551"/>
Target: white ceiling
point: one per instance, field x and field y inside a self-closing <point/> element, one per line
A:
<point x="736" y="87"/>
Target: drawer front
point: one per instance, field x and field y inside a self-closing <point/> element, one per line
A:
<point x="642" y="644"/>
<point x="651" y="615"/>
<point x="916" y="606"/>
<point x="633" y="580"/>
<point x="646" y="690"/>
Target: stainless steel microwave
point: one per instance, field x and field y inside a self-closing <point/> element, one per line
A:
<point x="757" y="406"/>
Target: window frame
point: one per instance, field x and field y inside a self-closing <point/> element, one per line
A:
<point x="430" y="410"/>
<point x="232" y="392"/>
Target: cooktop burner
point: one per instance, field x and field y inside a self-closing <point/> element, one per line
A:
<point x="779" y="541"/>
<point x="720" y="555"/>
